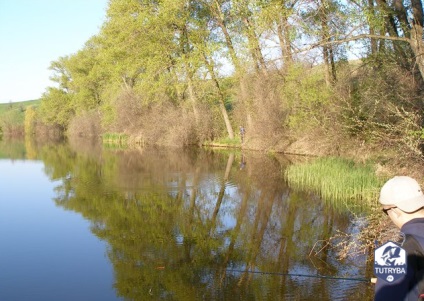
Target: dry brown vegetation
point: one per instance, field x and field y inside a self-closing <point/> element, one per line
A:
<point x="87" y="124"/>
<point x="158" y="123"/>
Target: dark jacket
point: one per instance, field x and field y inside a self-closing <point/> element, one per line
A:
<point x="406" y="288"/>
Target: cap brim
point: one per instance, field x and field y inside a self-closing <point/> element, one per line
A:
<point x="411" y="205"/>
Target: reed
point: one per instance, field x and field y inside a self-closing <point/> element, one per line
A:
<point x="224" y="141"/>
<point x="115" y="139"/>
<point x="340" y="182"/>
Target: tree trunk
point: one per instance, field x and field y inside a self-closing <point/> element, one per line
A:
<point x="221" y="98"/>
<point x="193" y="98"/>
<point x="418" y="47"/>
<point x="417" y="35"/>
<point x="184" y="45"/>
<point x="283" y="29"/>
<point x="219" y="16"/>
<point x="255" y="48"/>
<point x="374" y="47"/>
<point x="392" y="30"/>
<point x="328" y="56"/>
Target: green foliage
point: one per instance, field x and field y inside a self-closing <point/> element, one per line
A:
<point x="382" y="108"/>
<point x="56" y="107"/>
<point x="30" y="119"/>
<point x="418" y="134"/>
<point x="181" y="54"/>
<point x="12" y="117"/>
<point x="306" y="97"/>
<point x="18" y="106"/>
<point x="225" y="141"/>
<point x="343" y="183"/>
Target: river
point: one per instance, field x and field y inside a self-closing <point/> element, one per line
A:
<point x="80" y="221"/>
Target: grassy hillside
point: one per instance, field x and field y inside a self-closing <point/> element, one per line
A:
<point x="12" y="115"/>
<point x="7" y="108"/>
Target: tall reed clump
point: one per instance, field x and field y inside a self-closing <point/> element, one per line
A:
<point x="340" y="182"/>
<point x="115" y="139"/>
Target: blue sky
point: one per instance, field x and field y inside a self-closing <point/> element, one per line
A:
<point x="33" y="33"/>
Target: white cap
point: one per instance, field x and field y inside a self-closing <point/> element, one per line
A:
<point x="403" y="192"/>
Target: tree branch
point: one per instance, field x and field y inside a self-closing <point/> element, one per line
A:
<point x="350" y="39"/>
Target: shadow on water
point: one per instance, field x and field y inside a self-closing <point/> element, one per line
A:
<point x="202" y="225"/>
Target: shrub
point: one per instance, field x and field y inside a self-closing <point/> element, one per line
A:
<point x="383" y="108"/>
<point x="30" y="120"/>
<point x="87" y="124"/>
<point x="163" y="123"/>
<point x="306" y="97"/>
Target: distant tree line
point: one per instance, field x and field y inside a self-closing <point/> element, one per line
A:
<point x="184" y="72"/>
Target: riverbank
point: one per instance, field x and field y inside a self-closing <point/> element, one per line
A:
<point x="348" y="177"/>
<point x="387" y="162"/>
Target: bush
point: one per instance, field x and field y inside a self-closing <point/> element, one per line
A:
<point x="12" y="123"/>
<point x="30" y="120"/>
<point x="383" y="108"/>
<point x="307" y="98"/>
<point x="163" y="123"/>
<point x="259" y="110"/>
<point x="87" y="124"/>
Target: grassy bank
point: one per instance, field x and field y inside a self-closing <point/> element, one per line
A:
<point x="224" y="142"/>
<point x="344" y="184"/>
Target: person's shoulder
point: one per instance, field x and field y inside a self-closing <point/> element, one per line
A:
<point x="411" y="242"/>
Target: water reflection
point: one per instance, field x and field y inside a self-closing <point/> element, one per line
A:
<point x="199" y="225"/>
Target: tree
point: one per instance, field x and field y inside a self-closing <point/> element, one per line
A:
<point x="30" y="120"/>
<point x="274" y="17"/>
<point x="247" y="10"/>
<point x="56" y="107"/>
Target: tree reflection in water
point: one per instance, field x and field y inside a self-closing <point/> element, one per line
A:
<point x="178" y="223"/>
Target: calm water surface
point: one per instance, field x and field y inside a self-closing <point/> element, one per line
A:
<point x="80" y="222"/>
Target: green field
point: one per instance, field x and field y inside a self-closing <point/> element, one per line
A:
<point x="14" y="112"/>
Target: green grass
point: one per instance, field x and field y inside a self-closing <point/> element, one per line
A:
<point x="115" y="139"/>
<point x="5" y="107"/>
<point x="224" y="141"/>
<point x="14" y="112"/>
<point x="342" y="183"/>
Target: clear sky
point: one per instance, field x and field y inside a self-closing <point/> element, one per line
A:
<point x="33" y="33"/>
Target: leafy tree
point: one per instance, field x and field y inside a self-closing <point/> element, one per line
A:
<point x="56" y="107"/>
<point x="214" y="62"/>
<point x="275" y="17"/>
<point x="30" y="119"/>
